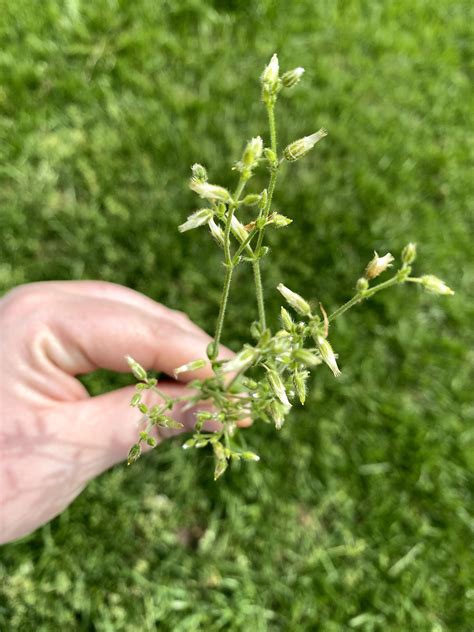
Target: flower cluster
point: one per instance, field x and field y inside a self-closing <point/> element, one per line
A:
<point x="270" y="373"/>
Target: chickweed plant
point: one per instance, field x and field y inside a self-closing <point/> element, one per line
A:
<point x="271" y="371"/>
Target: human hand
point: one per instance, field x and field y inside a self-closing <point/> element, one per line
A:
<point x="54" y="437"/>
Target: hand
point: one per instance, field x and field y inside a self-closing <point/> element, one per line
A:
<point x="54" y="437"/>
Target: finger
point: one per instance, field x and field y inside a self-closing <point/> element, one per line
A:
<point x="113" y="291"/>
<point x="98" y="333"/>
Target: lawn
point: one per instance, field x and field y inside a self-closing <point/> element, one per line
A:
<point x="359" y="515"/>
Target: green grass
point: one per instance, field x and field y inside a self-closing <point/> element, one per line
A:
<point x="359" y="515"/>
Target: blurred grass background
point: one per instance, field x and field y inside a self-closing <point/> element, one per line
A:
<point x="359" y="515"/>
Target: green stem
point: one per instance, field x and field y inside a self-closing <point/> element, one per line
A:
<point x="271" y="188"/>
<point x="229" y="266"/>
<point x="259" y="293"/>
<point x="244" y="245"/>
<point x="362" y="296"/>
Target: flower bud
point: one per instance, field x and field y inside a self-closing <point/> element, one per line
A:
<point x="299" y="380"/>
<point x="435" y="285"/>
<point x="190" y="366"/>
<point x="306" y="357"/>
<point x="249" y="456"/>
<point x="295" y="301"/>
<point x="210" y="191"/>
<point x="292" y="77"/>
<point x="286" y="319"/>
<point x="278" y="412"/>
<point x="216" y="232"/>
<point x="190" y="443"/>
<point x="269" y="76"/>
<point x="279" y="220"/>
<point x="137" y="370"/>
<point x="199" y="173"/>
<point x="362" y="284"/>
<point x="199" y="218"/>
<point x="135" y="399"/>
<point x="409" y="253"/>
<point x="277" y="386"/>
<point x="301" y="147"/>
<point x="377" y="265"/>
<point x="252" y="152"/>
<point x="251" y="199"/>
<point x="327" y="354"/>
<point x="133" y="453"/>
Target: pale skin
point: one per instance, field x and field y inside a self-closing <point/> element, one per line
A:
<point x="54" y="437"/>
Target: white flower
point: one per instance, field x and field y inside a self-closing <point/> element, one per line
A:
<point x="216" y="232"/>
<point x="209" y="191"/>
<point x="378" y="265"/>
<point x="199" y="218"/>
<point x="238" y="229"/>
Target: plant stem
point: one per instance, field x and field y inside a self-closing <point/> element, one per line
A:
<point x="271" y="188"/>
<point x="358" y="298"/>
<point x="229" y="266"/>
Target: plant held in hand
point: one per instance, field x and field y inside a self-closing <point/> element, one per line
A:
<point x="269" y="373"/>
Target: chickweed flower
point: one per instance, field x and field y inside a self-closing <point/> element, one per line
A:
<point x="292" y="77"/>
<point x="210" y="191"/>
<point x="199" y="218"/>
<point x="295" y="301"/>
<point x="435" y="285"/>
<point x="301" y="147"/>
<point x="377" y="265"/>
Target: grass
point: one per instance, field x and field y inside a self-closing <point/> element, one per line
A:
<point x="359" y="515"/>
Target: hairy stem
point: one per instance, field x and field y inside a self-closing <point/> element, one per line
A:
<point x="362" y="296"/>
<point x="229" y="266"/>
<point x="271" y="188"/>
